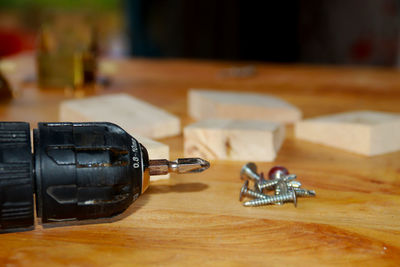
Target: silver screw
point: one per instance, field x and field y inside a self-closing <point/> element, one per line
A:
<point x="300" y="192"/>
<point x="281" y="189"/>
<point x="256" y="189"/>
<point x="294" y="184"/>
<point x="245" y="191"/>
<point x="291" y="196"/>
<point x="249" y="171"/>
<point x="270" y="184"/>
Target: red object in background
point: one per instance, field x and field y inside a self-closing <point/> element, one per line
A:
<point x="13" y="42"/>
<point x="273" y="172"/>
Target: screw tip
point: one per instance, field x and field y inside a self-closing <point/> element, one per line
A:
<point x="247" y="204"/>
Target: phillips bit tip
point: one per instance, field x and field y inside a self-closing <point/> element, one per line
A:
<point x="184" y="165"/>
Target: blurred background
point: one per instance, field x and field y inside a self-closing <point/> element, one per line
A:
<point x="357" y="32"/>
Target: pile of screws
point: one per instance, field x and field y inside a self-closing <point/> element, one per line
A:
<point x="283" y="184"/>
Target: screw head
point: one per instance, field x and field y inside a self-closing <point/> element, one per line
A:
<point x="294" y="184"/>
<point x="246" y="169"/>
<point x="281" y="189"/>
<point x="294" y="198"/>
<point x="277" y="172"/>
<point x="257" y="184"/>
<point x="243" y="189"/>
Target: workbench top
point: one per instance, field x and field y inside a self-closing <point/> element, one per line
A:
<point x="197" y="220"/>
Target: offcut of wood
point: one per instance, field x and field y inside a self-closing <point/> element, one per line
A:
<point x="156" y="150"/>
<point x="133" y="115"/>
<point x="226" y="139"/>
<point x="205" y="104"/>
<point x="364" y="132"/>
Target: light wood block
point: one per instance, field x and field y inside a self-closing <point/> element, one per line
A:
<point x="233" y="139"/>
<point x="363" y="132"/>
<point x="156" y="150"/>
<point x="18" y="70"/>
<point x="205" y="104"/>
<point x="132" y="114"/>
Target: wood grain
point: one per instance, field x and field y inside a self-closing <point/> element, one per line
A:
<point x="206" y="104"/>
<point x="124" y="110"/>
<point x="229" y="139"/>
<point x="367" y="133"/>
<point x="197" y="219"/>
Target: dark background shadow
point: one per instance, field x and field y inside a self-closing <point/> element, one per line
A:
<point x="308" y="31"/>
<point x="311" y="31"/>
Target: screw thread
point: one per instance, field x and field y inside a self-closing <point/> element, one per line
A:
<point x="254" y="194"/>
<point x="304" y="192"/>
<point x="269" y="200"/>
<point x="272" y="183"/>
<point x="268" y="184"/>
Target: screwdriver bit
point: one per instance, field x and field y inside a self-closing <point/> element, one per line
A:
<point x="183" y="165"/>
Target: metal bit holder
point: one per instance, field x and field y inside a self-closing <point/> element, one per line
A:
<point x="184" y="165"/>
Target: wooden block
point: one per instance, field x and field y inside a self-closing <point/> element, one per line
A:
<point x="363" y="132"/>
<point x="233" y="139"/>
<point x="17" y="70"/>
<point x="205" y="104"/>
<point x="132" y="114"/>
<point x="156" y="150"/>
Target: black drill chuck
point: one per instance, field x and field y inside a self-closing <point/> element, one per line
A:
<point x="78" y="171"/>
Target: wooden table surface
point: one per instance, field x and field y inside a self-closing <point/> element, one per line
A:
<point x="197" y="219"/>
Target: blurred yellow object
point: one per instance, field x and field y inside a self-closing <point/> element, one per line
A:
<point x="67" y="59"/>
<point x="107" y="67"/>
<point x="7" y="65"/>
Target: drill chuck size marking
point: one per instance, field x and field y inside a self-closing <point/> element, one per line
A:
<point x="135" y="151"/>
